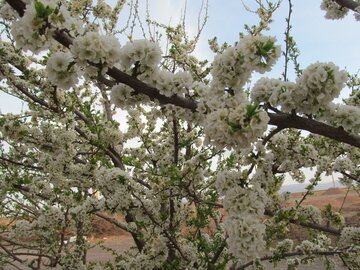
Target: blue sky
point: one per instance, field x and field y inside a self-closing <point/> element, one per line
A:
<point x="318" y="39"/>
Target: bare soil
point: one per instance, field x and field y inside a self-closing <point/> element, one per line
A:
<point x="347" y="202"/>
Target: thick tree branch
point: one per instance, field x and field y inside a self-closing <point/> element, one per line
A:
<point x="352" y="177"/>
<point x="348" y="4"/>
<point x="284" y="120"/>
<point x="18" y="5"/>
<point x="152" y="93"/>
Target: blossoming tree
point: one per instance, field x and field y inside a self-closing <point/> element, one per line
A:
<point x="196" y="167"/>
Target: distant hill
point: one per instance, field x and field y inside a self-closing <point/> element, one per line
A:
<point x="301" y="186"/>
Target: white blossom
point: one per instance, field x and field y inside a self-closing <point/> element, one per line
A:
<point x="61" y="71"/>
<point x="26" y="31"/>
<point x="342" y="164"/>
<point x="319" y="84"/>
<point x="97" y="49"/>
<point x="237" y="124"/>
<point x="147" y="54"/>
<point x="275" y="92"/>
<point x="340" y="115"/>
<point x="232" y="68"/>
<point x="333" y="10"/>
<point x="349" y="236"/>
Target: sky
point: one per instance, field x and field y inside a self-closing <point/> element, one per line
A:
<point x="317" y="38"/>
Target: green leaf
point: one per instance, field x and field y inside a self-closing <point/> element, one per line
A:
<point x="2" y="52"/>
<point x="42" y="12"/>
<point x="251" y="110"/>
<point x="234" y="126"/>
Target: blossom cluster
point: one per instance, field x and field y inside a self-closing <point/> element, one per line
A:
<point x="310" y="213"/>
<point x="232" y="68"/>
<point x="123" y="96"/>
<point x="102" y="9"/>
<point x="61" y="70"/>
<point x="140" y="54"/>
<point x="290" y="155"/>
<point x="95" y="48"/>
<point x="231" y="120"/>
<point x="349" y="236"/>
<point x="343" y="164"/>
<point x="320" y="243"/>
<point x="89" y="49"/>
<point x="345" y="116"/>
<point x="34" y="30"/>
<point x="283" y="246"/>
<point x="43" y="228"/>
<point x="245" y="231"/>
<point x="276" y="92"/>
<point x="170" y="84"/>
<point x="333" y="10"/>
<point x="318" y="85"/>
<point x="26" y="30"/>
<point x="234" y="122"/>
<point x="113" y="183"/>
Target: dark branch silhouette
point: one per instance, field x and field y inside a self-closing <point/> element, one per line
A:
<point x="348" y="4"/>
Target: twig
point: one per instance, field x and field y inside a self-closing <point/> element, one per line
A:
<point x="292" y="254"/>
<point x="343" y="202"/>
<point x="287" y="37"/>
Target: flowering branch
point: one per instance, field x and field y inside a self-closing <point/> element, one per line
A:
<point x="113" y="220"/>
<point x="352" y="177"/>
<point x="294" y="121"/>
<point x="292" y="254"/>
<point x="279" y="119"/>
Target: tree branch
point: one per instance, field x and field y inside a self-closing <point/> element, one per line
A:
<point x="294" y="121"/>
<point x="20" y="163"/>
<point x="348" y="4"/>
<point x="18" y="5"/>
<point x="314" y="226"/>
<point x="287" y="41"/>
<point x="112" y="220"/>
<point x="352" y="177"/>
<point x="292" y="254"/>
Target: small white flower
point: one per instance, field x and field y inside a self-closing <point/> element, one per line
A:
<point x="333" y="10"/>
<point x="60" y="71"/>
